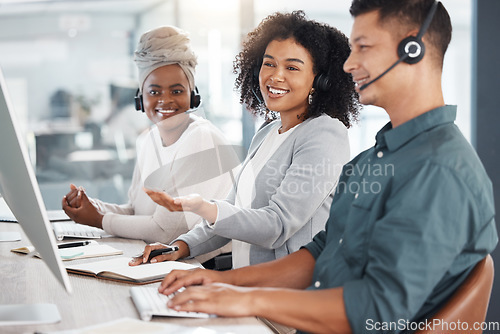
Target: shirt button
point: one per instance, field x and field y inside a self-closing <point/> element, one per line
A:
<point x="380" y="154"/>
<point x="317" y="284"/>
<point x="340" y="241"/>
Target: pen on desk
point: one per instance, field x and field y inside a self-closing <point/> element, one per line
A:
<point x="74" y="244"/>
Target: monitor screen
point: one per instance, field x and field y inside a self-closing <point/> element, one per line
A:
<point x="19" y="188"/>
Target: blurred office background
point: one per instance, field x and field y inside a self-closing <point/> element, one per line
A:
<point x="70" y="73"/>
<point x="69" y="70"/>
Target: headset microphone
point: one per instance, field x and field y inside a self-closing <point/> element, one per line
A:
<point x="194" y="108"/>
<point x="384" y="73"/>
<point x="411" y="49"/>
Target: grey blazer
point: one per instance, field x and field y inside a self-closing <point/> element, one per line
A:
<point x="294" y="192"/>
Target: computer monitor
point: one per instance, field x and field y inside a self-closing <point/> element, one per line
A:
<point x="20" y="190"/>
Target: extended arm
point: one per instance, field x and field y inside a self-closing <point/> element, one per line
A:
<point x="292" y="190"/>
<point x="289" y="190"/>
<point x="293" y="271"/>
<point x="320" y="311"/>
<point x="192" y="203"/>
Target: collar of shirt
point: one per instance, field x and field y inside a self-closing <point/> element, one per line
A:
<point x="394" y="138"/>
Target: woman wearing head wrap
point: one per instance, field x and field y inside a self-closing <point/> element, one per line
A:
<point x="170" y="154"/>
<point x="289" y="66"/>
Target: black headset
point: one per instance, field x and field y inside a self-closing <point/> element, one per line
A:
<point x="411" y="50"/>
<point x="195" y="100"/>
<point x="412" y="46"/>
<point x="322" y="82"/>
<point x="255" y="81"/>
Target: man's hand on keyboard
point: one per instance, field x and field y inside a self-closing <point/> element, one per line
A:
<point x="218" y="298"/>
<point x="178" y="279"/>
<point x="78" y="207"/>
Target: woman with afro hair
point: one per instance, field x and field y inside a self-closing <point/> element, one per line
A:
<point x="290" y="70"/>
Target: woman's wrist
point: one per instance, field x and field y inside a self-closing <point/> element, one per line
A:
<point x="100" y="218"/>
<point x="208" y="210"/>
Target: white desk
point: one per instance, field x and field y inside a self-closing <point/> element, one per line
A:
<point x="27" y="280"/>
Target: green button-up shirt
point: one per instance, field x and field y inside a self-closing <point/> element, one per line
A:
<point x="410" y="218"/>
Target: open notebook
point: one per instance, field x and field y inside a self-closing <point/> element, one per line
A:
<point x="117" y="269"/>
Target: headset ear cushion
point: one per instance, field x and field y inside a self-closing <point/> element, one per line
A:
<point x="195" y="99"/>
<point x="255" y="73"/>
<point x="413" y="47"/>
<point x="255" y="81"/>
<point x="138" y="102"/>
<point x="322" y="82"/>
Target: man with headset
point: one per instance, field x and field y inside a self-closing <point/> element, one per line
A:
<point x="411" y="217"/>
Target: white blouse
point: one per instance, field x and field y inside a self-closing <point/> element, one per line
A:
<point x="245" y="191"/>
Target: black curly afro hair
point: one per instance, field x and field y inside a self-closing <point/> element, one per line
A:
<point x="329" y="49"/>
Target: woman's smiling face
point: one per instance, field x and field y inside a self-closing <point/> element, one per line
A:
<point x="286" y="76"/>
<point x="166" y="94"/>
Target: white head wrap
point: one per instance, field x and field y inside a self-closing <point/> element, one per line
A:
<point x="165" y="46"/>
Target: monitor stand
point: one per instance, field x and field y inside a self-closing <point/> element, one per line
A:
<point x="28" y="314"/>
<point x="25" y="314"/>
